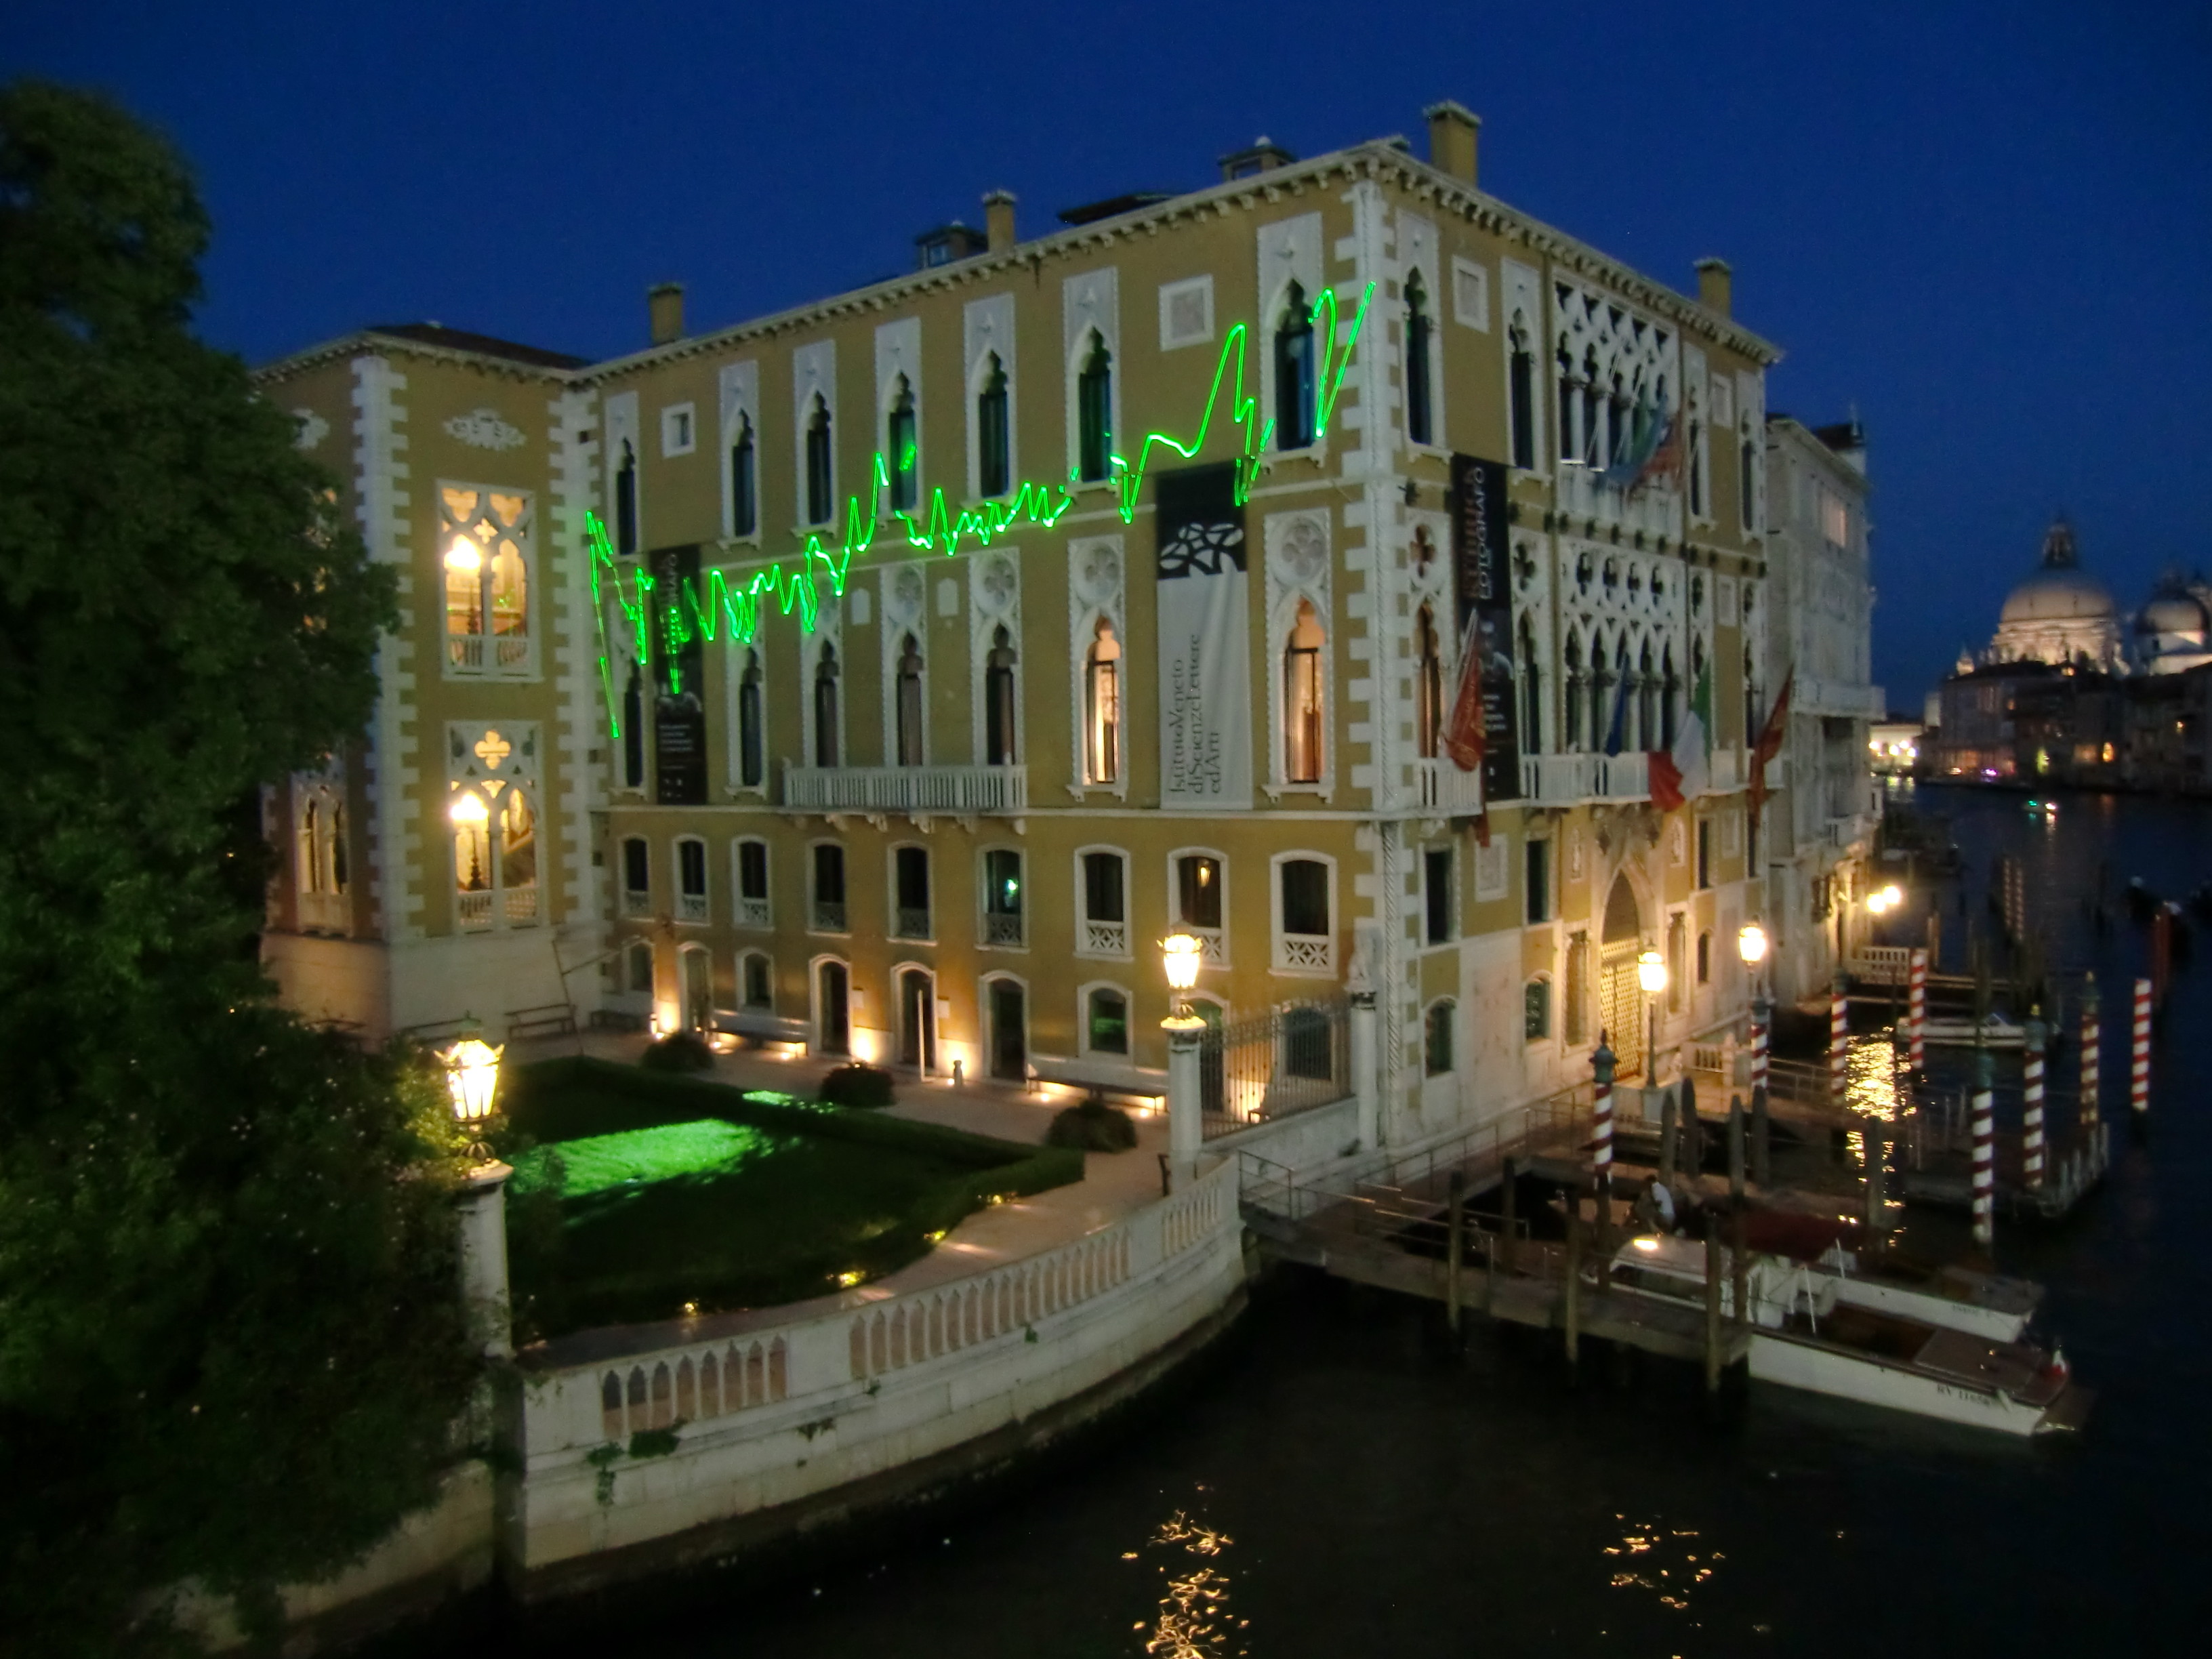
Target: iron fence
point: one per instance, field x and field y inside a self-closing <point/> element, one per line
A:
<point x="1290" y="1060"/>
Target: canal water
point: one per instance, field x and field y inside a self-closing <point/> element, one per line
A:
<point x="1336" y="1480"/>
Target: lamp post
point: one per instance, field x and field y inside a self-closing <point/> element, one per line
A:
<point x="1652" y="975"/>
<point x="1180" y="955"/>
<point x="1751" y="945"/>
<point x="472" y="1081"/>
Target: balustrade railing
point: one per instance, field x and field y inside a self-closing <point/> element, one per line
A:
<point x="828" y="915"/>
<point x="754" y="913"/>
<point x="1443" y="787"/>
<point x="472" y="909"/>
<point x="909" y="921"/>
<point x="1106" y="939"/>
<point x="1001" y="928"/>
<point x="521" y="906"/>
<point x="1564" y="780"/>
<point x="492" y="654"/>
<point x="692" y="907"/>
<point x="636" y="901"/>
<point x="907" y="788"/>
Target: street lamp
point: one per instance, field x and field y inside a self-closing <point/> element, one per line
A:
<point x="1181" y="953"/>
<point x="1652" y="975"/>
<point x="473" y="1080"/>
<point x="1751" y="945"/>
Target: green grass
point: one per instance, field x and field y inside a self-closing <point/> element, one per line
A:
<point x="635" y="1195"/>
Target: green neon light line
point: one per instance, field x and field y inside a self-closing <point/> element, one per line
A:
<point x="693" y="615"/>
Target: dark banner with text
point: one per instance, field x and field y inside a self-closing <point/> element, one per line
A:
<point x="679" y="712"/>
<point x="1206" y="676"/>
<point x="1485" y="726"/>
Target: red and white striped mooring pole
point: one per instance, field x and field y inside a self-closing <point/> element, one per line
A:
<point x="2139" y="1053"/>
<point x="2091" y="1108"/>
<point x="1601" y="1064"/>
<point x="1985" y="1153"/>
<point x="1839" y="1042"/>
<point x="2030" y="1110"/>
<point x="1917" y="1009"/>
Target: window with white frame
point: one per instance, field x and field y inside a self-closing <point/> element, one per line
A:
<point x="1437" y="907"/>
<point x="637" y="958"/>
<point x="1304" y="710"/>
<point x="1536" y="1010"/>
<point x="909" y="705"/>
<point x="485" y="534"/>
<point x="1420" y="339"/>
<point x="754" y="909"/>
<point x="1293" y="346"/>
<point x="901" y="452"/>
<point x="910" y="910"/>
<point x="1305" y="906"/>
<point x="1103" y="885"/>
<point x="1001" y="701"/>
<point x="495" y="856"/>
<point x="637" y="876"/>
<point x="1186" y="312"/>
<point x="825" y="725"/>
<point x="1102" y="705"/>
<point x="679" y="429"/>
<point x="744" y="480"/>
<point x="821" y="462"/>
<point x="994" y="469"/>
<point x="1005" y="902"/>
<point x="1094" y="412"/>
<point x="756" y="981"/>
<point x="1105" y="1020"/>
<point x="321" y="868"/>
<point x="1199" y="882"/>
<point x="692" y="903"/>
<point x="828" y="912"/>
<point x="1428" y="685"/>
<point x="1441" y="1023"/>
<point x="752" y="721"/>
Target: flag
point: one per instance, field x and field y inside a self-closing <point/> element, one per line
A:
<point x="1617" y="717"/>
<point x="1665" y="460"/>
<point x="1769" y="745"/>
<point x="1466" y="739"/>
<point x="1685" y="771"/>
<point x="1627" y="468"/>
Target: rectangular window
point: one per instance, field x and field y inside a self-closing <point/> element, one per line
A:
<point x="637" y="877"/>
<point x="1523" y="394"/>
<point x="752" y="884"/>
<point x="1105" y="917"/>
<point x="829" y="915"/>
<point x="1705" y="852"/>
<point x="1536" y="1011"/>
<point x="744" y="481"/>
<point x="1198" y="891"/>
<point x="910" y="911"/>
<point x="1107" y="1021"/>
<point x="1002" y="896"/>
<point x="758" y="988"/>
<point x="1438" y="1055"/>
<point x="1538" y="877"/>
<point x="1578" y="989"/>
<point x="691" y="879"/>
<point x="1305" y="897"/>
<point x="1436" y="892"/>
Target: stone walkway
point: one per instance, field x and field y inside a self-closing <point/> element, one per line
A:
<point x="1113" y="1185"/>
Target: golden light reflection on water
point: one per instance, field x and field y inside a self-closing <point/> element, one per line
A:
<point x="1669" y="1562"/>
<point x="1194" y="1621"/>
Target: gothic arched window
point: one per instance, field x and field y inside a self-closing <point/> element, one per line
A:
<point x="899" y="451"/>
<point x="825" y="706"/>
<point x="744" y="487"/>
<point x="1428" y="685"/>
<point x="1101" y="706"/>
<point x="1294" y="372"/>
<point x="999" y="701"/>
<point x="752" y="732"/>
<point x="1420" y="424"/>
<point x="820" y="480"/>
<point x="1094" y="412"/>
<point x="909" y="703"/>
<point x="1302" y="697"/>
<point x="993" y="451"/>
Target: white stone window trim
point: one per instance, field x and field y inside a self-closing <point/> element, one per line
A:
<point x="1525" y="319"/>
<point x="744" y="955"/>
<point x="1417" y="252"/>
<point x="619" y="415"/>
<point x="636" y="903"/>
<point x="737" y="386"/>
<point x="1544" y="977"/>
<point x="898" y="354"/>
<point x="1443" y="999"/>
<point x="679" y="430"/>
<point x="735" y="657"/>
<point x="987" y="331"/>
<point x="1105" y="941"/>
<point x="984" y="915"/>
<point x="814" y="901"/>
<point x="906" y="613"/>
<point x="1298" y="556"/>
<point x="1303" y="955"/>
<point x="1083" y="1047"/>
<point x="1097" y="575"/>
<point x="1090" y="303"/>
<point x="995" y="601"/>
<point x="1214" y="941"/>
<point x="1289" y="251"/>
<point x="813" y="374"/>
<point x="745" y="910"/>
<point x="893" y="911"/>
<point x="814" y="1010"/>
<point x="692" y="909"/>
<point x="828" y="630"/>
<point x="1175" y="296"/>
<point x="524" y="537"/>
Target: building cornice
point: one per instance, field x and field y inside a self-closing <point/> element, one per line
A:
<point x="368" y="342"/>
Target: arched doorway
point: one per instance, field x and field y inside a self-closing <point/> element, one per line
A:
<point x="1620" y="998"/>
<point x="917" y="1020"/>
<point x="833" y="1023"/>
<point x="1010" y="1042"/>
<point x="696" y="975"/>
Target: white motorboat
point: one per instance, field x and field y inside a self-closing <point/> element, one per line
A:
<point x="1994" y="1032"/>
<point x="1802" y="1337"/>
<point x="1958" y="1298"/>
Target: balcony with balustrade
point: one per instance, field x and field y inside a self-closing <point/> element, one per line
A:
<point x="754" y="913"/>
<point x="1441" y="786"/>
<point x="1567" y="779"/>
<point x="979" y="789"/>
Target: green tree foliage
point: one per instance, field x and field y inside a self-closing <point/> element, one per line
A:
<point x="230" y="1344"/>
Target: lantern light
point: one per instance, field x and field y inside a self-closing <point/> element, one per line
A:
<point x="473" y="1080"/>
<point x="1652" y="972"/>
<point x="1181" y="953"/>
<point x="1751" y="943"/>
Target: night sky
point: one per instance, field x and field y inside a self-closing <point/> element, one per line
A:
<point x="1989" y="227"/>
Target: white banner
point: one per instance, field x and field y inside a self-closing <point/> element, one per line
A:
<point x="1205" y="678"/>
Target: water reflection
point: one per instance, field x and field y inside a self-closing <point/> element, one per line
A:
<point x="1667" y="1561"/>
<point x="1194" y="1621"/>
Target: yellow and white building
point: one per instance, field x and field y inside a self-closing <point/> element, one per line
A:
<point x="806" y="677"/>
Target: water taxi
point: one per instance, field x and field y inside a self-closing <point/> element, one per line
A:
<point x="1959" y="1298"/>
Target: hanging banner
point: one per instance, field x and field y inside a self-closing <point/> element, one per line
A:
<point x="1484" y="607"/>
<point x="1205" y="681"/>
<point x="680" y="711"/>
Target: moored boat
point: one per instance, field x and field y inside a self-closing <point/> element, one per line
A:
<point x="1803" y="1337"/>
<point x="1959" y="1298"/>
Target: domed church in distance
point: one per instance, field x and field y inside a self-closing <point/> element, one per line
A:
<point x="2061" y="614"/>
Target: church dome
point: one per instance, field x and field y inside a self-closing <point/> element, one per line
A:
<point x="2058" y="595"/>
<point x="2174" y="613"/>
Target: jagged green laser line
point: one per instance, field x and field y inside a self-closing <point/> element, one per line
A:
<point x="713" y="607"/>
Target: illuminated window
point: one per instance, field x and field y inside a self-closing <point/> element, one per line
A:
<point x="1002" y="896"/>
<point x="900" y="452"/>
<point x="1094" y="412"/>
<point x="908" y="705"/>
<point x="821" y="477"/>
<point x="1428" y="685"/>
<point x="1102" y="706"/>
<point x="1294" y="372"/>
<point x="1000" y="702"/>
<point x="1106" y="1022"/>
<point x="1198" y="891"/>
<point x="1301" y="698"/>
<point x="485" y="535"/>
<point x="495" y="858"/>
<point x="745" y="485"/>
<point x="320" y="866"/>
<point x="1420" y="425"/>
<point x="993" y="438"/>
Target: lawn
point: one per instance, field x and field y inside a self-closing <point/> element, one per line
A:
<point x="637" y="1197"/>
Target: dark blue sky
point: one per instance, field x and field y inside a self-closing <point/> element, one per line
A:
<point x="1989" y="226"/>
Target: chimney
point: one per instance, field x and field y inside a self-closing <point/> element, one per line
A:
<point x="1714" y="285"/>
<point x="1453" y="129"/>
<point x="999" y="220"/>
<point x="664" y="305"/>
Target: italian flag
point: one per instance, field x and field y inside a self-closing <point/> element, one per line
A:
<point x="1685" y="770"/>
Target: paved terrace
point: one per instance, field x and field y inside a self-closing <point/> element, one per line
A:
<point x="1113" y="1185"/>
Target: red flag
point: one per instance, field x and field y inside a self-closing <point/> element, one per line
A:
<point x="1769" y="745"/>
<point x="1466" y="739"/>
<point x="1666" y="780"/>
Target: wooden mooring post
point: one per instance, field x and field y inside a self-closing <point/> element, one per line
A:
<point x="1712" y="1306"/>
<point x="1735" y="1150"/>
<point x="1762" y="1143"/>
<point x="1508" y="1175"/>
<point x="1456" y="1237"/>
<point x="1740" y="1259"/>
<point x="1571" y="1300"/>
